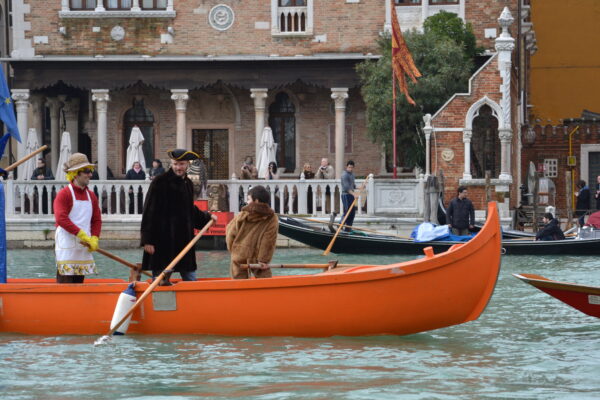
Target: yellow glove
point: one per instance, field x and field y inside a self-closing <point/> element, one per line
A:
<point x="84" y="238"/>
<point x="94" y="243"/>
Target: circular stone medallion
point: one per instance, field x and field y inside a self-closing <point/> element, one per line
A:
<point x="117" y="33"/>
<point x="447" y="155"/>
<point x="221" y="17"/>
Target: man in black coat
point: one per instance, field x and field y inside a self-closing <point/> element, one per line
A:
<point x="551" y="230"/>
<point x="582" y="204"/>
<point x="461" y="214"/>
<point x="169" y="219"/>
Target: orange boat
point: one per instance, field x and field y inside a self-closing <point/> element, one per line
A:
<point x="435" y="291"/>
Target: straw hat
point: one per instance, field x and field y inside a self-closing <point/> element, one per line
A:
<point x="77" y="161"/>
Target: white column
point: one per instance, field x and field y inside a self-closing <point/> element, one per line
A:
<point x="100" y="6"/>
<point x="180" y="96"/>
<point x="71" y="110"/>
<point x="169" y="5"/>
<point x="21" y="98"/>
<point x="101" y="97"/>
<point x="260" y="97"/>
<point x="387" y="27"/>
<point x="54" y="105"/>
<point x="135" y="5"/>
<point x="505" y="44"/>
<point x="339" y="96"/>
<point x="428" y="129"/>
<point x="64" y="5"/>
<point x="467" y="134"/>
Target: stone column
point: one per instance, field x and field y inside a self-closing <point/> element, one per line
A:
<point x="21" y="98"/>
<point x="260" y="97"/>
<point x="135" y="5"/>
<point x="428" y="129"/>
<point x="170" y="5"/>
<point x="101" y="97"/>
<point x="64" y="5"/>
<point x="54" y="105"/>
<point x="38" y="102"/>
<point x="387" y="27"/>
<point x="100" y="7"/>
<point x="339" y="96"/>
<point x="71" y="110"/>
<point x="467" y="134"/>
<point x="505" y="44"/>
<point x="180" y="96"/>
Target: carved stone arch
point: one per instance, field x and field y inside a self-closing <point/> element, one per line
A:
<point x="474" y="112"/>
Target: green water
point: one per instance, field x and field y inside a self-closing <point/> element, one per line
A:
<point x="526" y="345"/>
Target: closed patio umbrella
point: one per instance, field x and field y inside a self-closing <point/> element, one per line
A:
<point x="266" y="154"/>
<point x="31" y="145"/>
<point x="134" y="150"/>
<point x="65" y="153"/>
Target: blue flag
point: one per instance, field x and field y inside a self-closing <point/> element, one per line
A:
<point x="7" y="110"/>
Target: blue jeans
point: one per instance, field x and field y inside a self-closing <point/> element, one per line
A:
<point x="347" y="200"/>
<point x="185" y="276"/>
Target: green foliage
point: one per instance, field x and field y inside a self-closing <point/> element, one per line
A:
<point x="449" y="25"/>
<point x="445" y="71"/>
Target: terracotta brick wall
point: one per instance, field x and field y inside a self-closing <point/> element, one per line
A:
<point x="349" y="27"/>
<point x="484" y="15"/>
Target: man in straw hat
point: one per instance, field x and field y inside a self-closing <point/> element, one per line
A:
<point x="78" y="221"/>
<point x="169" y="218"/>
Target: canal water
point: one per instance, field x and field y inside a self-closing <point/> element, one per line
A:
<point x="526" y="345"/>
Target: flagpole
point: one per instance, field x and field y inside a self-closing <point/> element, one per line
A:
<point x="394" y="123"/>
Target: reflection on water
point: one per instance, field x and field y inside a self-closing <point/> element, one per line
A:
<point x="526" y="345"/>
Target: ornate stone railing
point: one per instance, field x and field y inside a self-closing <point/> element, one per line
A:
<point x="288" y="196"/>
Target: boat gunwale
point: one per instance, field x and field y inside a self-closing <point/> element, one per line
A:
<point x="541" y="282"/>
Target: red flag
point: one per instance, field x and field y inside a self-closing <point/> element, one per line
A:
<point x="402" y="61"/>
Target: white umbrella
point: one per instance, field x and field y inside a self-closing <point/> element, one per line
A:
<point x="32" y="144"/>
<point x="266" y="153"/>
<point x="134" y="150"/>
<point x="65" y="153"/>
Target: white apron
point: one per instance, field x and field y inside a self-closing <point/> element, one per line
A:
<point x="73" y="258"/>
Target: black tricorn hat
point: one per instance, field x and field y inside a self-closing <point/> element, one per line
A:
<point x="182" y="155"/>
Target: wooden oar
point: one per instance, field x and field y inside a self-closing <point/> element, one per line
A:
<point x="316" y="266"/>
<point x="122" y="261"/>
<point x="27" y="157"/>
<point x="154" y="284"/>
<point x="357" y="229"/>
<point x="362" y="187"/>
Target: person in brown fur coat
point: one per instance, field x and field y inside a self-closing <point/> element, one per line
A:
<point x="252" y="234"/>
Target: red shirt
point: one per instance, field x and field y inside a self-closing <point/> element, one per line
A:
<point x="63" y="203"/>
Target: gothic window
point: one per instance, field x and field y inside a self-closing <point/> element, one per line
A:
<point x="485" y="145"/>
<point x="282" y="120"/>
<point x="118" y="4"/>
<point x="141" y="117"/>
<point x="83" y="4"/>
<point x="154" y="4"/>
<point x="291" y="17"/>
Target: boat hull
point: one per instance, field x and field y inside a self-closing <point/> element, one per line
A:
<point x="381" y="244"/>
<point x="583" y="298"/>
<point x="435" y="291"/>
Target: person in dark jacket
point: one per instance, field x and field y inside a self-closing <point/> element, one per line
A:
<point x="169" y="219"/>
<point x="136" y="173"/>
<point x="461" y="214"/>
<point x="157" y="168"/>
<point x="42" y="172"/>
<point x="551" y="230"/>
<point x="582" y="204"/>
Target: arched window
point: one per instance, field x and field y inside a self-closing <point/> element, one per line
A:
<point x="485" y="145"/>
<point x="141" y="117"/>
<point x="282" y="121"/>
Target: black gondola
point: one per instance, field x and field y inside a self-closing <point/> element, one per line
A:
<point x="360" y="243"/>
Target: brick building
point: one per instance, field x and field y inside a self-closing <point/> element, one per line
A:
<point x="209" y="75"/>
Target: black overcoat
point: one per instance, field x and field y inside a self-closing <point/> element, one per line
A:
<point x="168" y="222"/>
